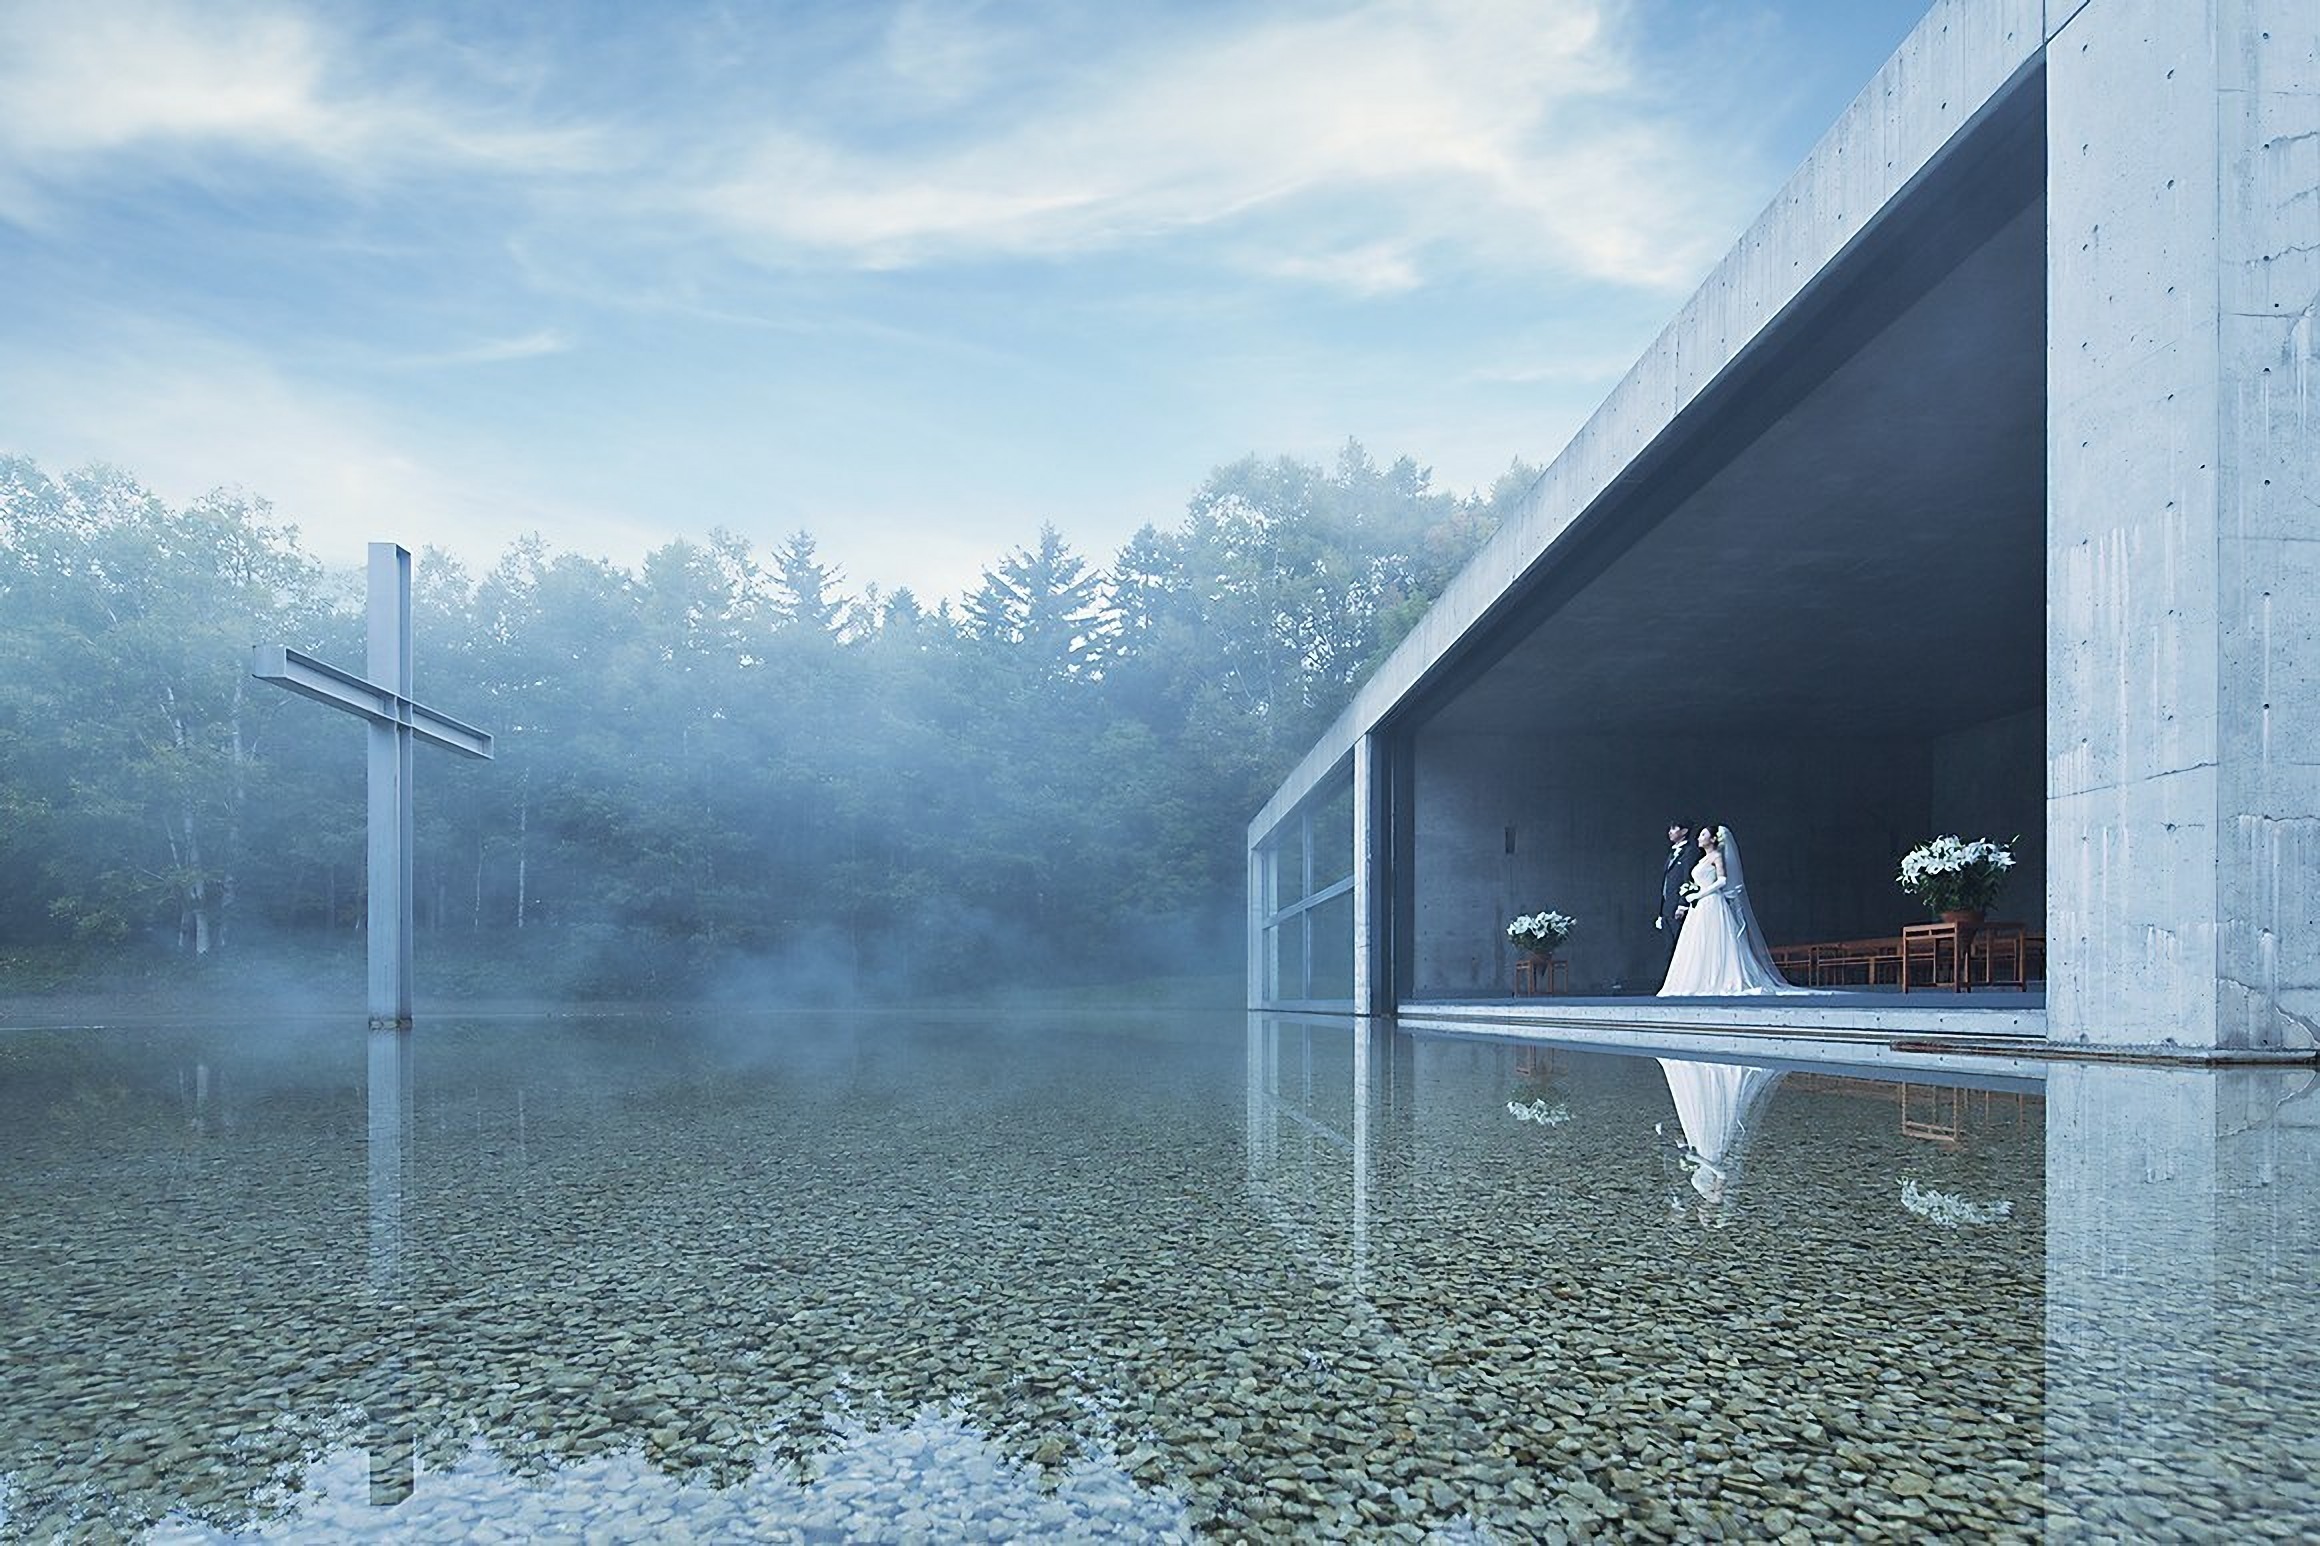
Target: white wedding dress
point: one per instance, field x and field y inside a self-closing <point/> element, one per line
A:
<point x="1720" y="951"/>
<point x="1717" y="1104"/>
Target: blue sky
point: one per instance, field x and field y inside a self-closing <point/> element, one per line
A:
<point x="915" y="277"/>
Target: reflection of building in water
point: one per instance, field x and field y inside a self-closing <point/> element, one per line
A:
<point x="2182" y="1225"/>
<point x="387" y="1404"/>
<point x="2129" y="1342"/>
<point x="1322" y="1090"/>
<point x="1945" y="1115"/>
<point x="1309" y="1112"/>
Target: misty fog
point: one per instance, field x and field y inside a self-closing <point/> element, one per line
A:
<point x="725" y="775"/>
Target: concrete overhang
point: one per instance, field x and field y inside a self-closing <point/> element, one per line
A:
<point x="1853" y="543"/>
<point x="1747" y="479"/>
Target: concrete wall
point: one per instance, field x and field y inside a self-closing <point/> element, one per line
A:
<point x="1988" y="780"/>
<point x="2183" y="646"/>
<point x="1822" y="824"/>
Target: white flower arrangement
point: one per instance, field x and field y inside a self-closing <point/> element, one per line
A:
<point x="1545" y="1113"/>
<point x="1540" y="933"/>
<point x="1950" y="873"/>
<point x="1948" y="1209"/>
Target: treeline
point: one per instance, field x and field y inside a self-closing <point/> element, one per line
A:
<point x="722" y="763"/>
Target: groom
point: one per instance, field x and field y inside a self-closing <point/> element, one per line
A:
<point x="1680" y="859"/>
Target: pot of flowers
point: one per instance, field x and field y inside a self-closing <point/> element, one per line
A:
<point x="1956" y="880"/>
<point x="1538" y="936"/>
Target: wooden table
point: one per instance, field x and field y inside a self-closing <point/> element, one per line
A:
<point x="1534" y="975"/>
<point x="1845" y="962"/>
<point x="1952" y="951"/>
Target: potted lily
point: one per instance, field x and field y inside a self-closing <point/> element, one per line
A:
<point x="1540" y="934"/>
<point x="1955" y="879"/>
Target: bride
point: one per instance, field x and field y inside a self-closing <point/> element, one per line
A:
<point x="1721" y="951"/>
<point x="1717" y="1104"/>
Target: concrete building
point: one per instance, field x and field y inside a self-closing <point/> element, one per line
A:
<point x="1976" y="490"/>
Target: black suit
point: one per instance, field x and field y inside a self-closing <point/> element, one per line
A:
<point x="1681" y="857"/>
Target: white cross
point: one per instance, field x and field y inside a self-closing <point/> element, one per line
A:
<point x="396" y="722"/>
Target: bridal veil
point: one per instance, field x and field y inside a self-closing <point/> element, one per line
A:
<point x="1752" y="941"/>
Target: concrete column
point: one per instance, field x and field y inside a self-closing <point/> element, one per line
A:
<point x="2183" y="637"/>
<point x="1254" y="939"/>
<point x="1373" y="992"/>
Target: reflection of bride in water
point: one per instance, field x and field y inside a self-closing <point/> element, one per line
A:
<point x="1720" y="948"/>
<point x="1717" y="1104"/>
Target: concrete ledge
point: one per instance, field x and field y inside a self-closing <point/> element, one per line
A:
<point x="1855" y="1017"/>
<point x="1994" y="1032"/>
<point x="1865" y="1055"/>
<point x="2092" y="1052"/>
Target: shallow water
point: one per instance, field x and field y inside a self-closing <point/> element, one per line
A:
<point x="812" y="1277"/>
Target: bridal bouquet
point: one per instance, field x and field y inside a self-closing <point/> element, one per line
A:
<point x="1950" y="874"/>
<point x="1540" y="933"/>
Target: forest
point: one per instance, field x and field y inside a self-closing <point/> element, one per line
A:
<point x="724" y="771"/>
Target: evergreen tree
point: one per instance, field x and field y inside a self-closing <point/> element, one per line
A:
<point x="805" y="589"/>
<point x="1046" y="607"/>
<point x="711" y="759"/>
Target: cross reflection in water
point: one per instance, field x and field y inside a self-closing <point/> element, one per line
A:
<point x="392" y="1434"/>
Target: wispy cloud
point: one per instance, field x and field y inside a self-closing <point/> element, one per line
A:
<point x="1368" y="149"/>
<point x="347" y="252"/>
<point x="1545" y="366"/>
<point x="493" y="351"/>
<point x="1378" y="268"/>
<point x="87" y="84"/>
<point x="942" y="54"/>
<point x="186" y="413"/>
<point x="1354" y="149"/>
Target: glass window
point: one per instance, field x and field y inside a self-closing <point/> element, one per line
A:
<point x="1304" y="900"/>
<point x="1329" y="956"/>
<point x="1333" y="837"/>
<point x="1285" y="866"/>
<point x="1289" y="959"/>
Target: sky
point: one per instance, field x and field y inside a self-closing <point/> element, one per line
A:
<point x="914" y="276"/>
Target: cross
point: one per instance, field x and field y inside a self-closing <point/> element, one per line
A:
<point x="396" y="722"/>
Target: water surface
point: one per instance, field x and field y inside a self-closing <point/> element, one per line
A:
<point x="785" y="1277"/>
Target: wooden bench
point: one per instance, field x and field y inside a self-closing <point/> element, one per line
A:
<point x="1841" y="963"/>
<point x="2002" y="953"/>
<point x="1922" y="955"/>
